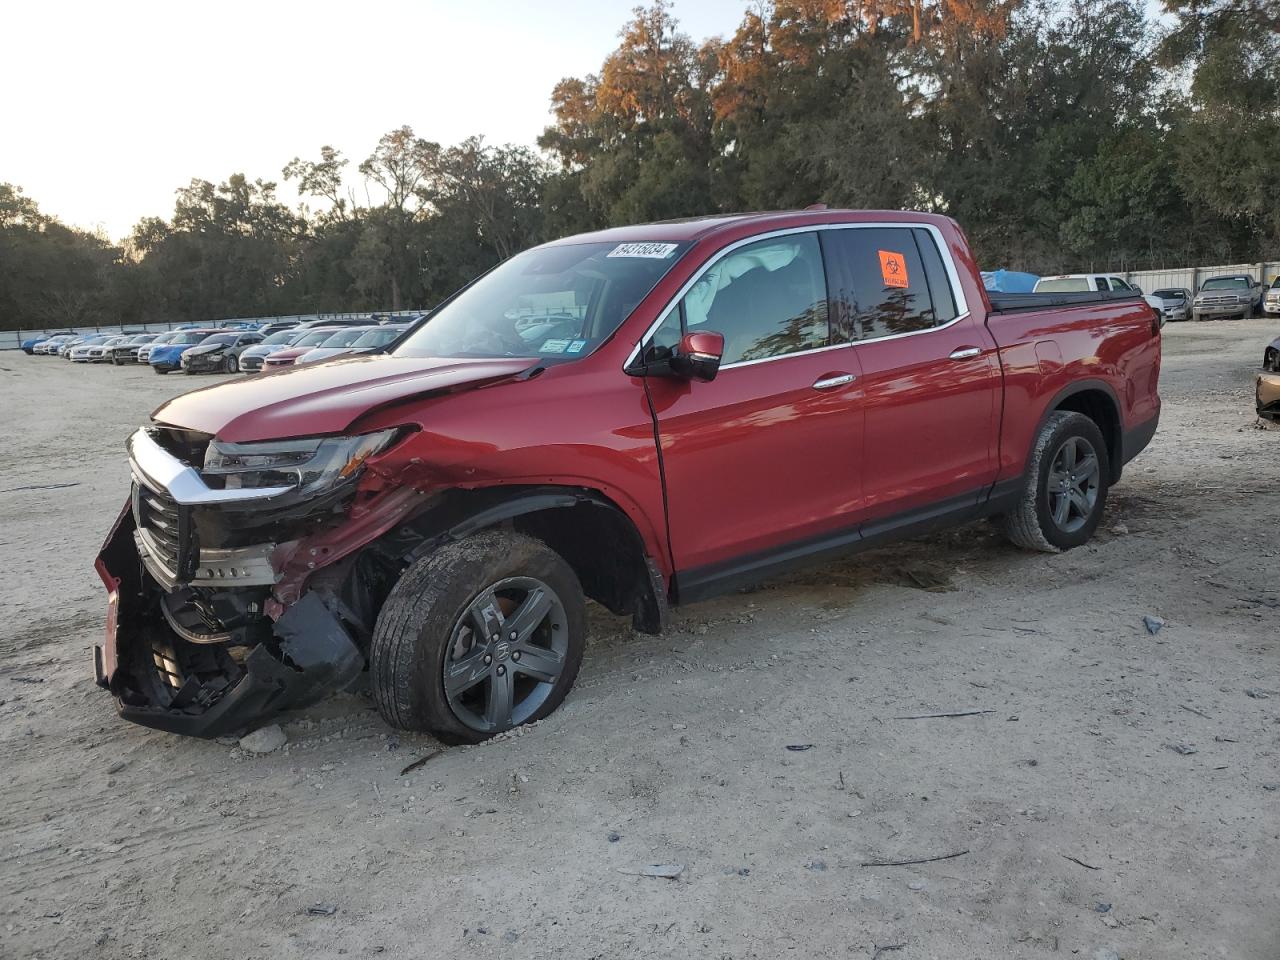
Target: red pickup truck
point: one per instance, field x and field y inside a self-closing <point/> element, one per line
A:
<point x="642" y="416"/>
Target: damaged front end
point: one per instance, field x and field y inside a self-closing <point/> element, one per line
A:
<point x="214" y="622"/>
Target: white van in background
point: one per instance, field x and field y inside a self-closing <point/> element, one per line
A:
<point x="1089" y="282"/>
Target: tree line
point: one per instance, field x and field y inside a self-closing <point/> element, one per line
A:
<point x="1062" y="134"/>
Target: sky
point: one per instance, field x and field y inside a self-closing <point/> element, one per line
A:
<point x="110" y="107"/>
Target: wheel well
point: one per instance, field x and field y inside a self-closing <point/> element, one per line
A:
<point x="605" y="551"/>
<point x="1098" y="406"/>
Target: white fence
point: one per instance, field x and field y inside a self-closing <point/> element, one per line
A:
<point x="12" y="339"/>
<point x="1190" y="277"/>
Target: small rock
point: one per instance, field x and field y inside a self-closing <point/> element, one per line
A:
<point x="817" y="866"/>
<point x="1119" y="529"/>
<point x="916" y="885"/>
<point x="614" y="836"/>
<point x="1102" y="907"/>
<point x="264" y="740"/>
<point x="116" y="767"/>
<point x="1257" y="694"/>
<point x="1110" y="922"/>
<point x="678" y="726"/>
<point x="1153" y="624"/>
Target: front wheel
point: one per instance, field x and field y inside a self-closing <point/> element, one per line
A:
<point x="1065" y="490"/>
<point x="478" y="637"/>
<point x="231" y="364"/>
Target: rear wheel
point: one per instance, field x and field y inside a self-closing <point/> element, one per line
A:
<point x="160" y="370"/>
<point x="478" y="637"/>
<point x="1065" y="490"/>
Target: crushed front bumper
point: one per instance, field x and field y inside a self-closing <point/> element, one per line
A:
<point x="206" y="681"/>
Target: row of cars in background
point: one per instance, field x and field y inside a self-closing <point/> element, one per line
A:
<point x="228" y="348"/>
<point x="1219" y="298"/>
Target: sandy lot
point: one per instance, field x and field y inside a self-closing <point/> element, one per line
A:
<point x="122" y="842"/>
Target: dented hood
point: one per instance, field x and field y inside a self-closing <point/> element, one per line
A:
<point x="324" y="398"/>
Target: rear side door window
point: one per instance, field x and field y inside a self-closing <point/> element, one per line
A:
<point x="887" y="281"/>
<point x="768" y="299"/>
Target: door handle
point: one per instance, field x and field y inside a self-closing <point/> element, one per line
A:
<point x="966" y="353"/>
<point x="833" y="381"/>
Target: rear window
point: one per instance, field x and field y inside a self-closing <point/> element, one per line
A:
<point x="1064" y="285"/>
<point x="1170" y="294"/>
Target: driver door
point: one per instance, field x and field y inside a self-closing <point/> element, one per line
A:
<point x="761" y="463"/>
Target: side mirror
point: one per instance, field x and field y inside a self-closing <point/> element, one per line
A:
<point x="698" y="356"/>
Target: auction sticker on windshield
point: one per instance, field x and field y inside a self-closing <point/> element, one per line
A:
<point x="650" y="251"/>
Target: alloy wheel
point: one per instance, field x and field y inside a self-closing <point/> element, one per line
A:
<point x="505" y="654"/>
<point x="1075" y="477"/>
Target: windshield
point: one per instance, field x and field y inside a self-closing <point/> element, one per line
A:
<point x="377" y="338"/>
<point x="1226" y="283"/>
<point x="186" y="337"/>
<point x="1064" y="285"/>
<point x="282" y="336"/>
<point x="314" y="339"/>
<point x="557" y="302"/>
<point x="1275" y="283"/>
<point x="221" y="338"/>
<point x="1170" y="294"/>
<point x="344" y="338"/>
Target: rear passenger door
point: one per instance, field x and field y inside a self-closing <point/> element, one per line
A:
<point x="930" y="377"/>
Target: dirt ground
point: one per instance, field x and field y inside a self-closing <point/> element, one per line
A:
<point x="1119" y="797"/>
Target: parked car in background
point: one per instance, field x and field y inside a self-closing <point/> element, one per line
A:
<point x="49" y="346"/>
<point x="339" y="343"/>
<point x="1267" y="387"/>
<point x="219" y="353"/>
<point x="1271" y="298"/>
<point x="642" y="416"/>
<point x="167" y="357"/>
<point x="97" y="352"/>
<point x="29" y="345"/>
<point x="1234" y="296"/>
<point x="309" y="340"/>
<point x="1099" y="282"/>
<point x="251" y="359"/>
<point x="78" y="352"/>
<point x="1175" y="302"/>
<point x="127" y="350"/>
<point x="276" y="326"/>
<point x="144" y="351"/>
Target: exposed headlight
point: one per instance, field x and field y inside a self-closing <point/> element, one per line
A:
<point x="312" y="466"/>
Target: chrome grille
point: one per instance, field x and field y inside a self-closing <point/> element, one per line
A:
<point x="158" y="516"/>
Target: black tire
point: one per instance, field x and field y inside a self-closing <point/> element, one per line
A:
<point x="419" y="623"/>
<point x="1032" y="524"/>
<point x="231" y="364"/>
<point x="159" y="370"/>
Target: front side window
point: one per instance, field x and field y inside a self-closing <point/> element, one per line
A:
<point x="556" y="303"/>
<point x="888" y="281"/>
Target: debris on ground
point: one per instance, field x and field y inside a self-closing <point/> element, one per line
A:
<point x="614" y="836"/>
<point x="941" y="716"/>
<point x="409" y="768"/>
<point x="264" y="740"/>
<point x="907" y="863"/>
<point x="1254" y="692"/>
<point x="1101" y="907"/>
<point x="1185" y="749"/>
<point x="1153" y="624"/>
<point x="666" y="871"/>
<point x="797" y="747"/>
<point x="1077" y="860"/>
<point x="322" y="910"/>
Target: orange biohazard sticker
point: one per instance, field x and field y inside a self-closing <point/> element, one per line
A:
<point x="893" y="268"/>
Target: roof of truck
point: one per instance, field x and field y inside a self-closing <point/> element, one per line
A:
<point x="696" y="228"/>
